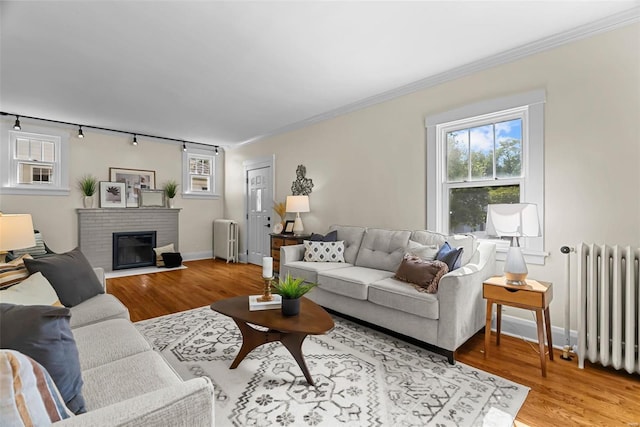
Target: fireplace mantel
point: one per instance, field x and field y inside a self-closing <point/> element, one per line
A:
<point x="97" y="225"/>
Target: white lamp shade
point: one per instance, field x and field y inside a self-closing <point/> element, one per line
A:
<point x="16" y="232"/>
<point x="515" y="220"/>
<point x="297" y="204"/>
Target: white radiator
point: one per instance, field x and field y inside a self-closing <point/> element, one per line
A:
<point x="225" y="240"/>
<point x="608" y="313"/>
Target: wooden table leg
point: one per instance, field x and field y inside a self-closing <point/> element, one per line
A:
<point x="487" y="328"/>
<point x="547" y="322"/>
<point x="498" y="322"/>
<point x="543" y="357"/>
<point x="293" y="343"/>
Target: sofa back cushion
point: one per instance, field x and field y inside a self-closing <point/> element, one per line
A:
<point x="383" y="249"/>
<point x="426" y="237"/>
<point x="466" y="241"/>
<point x="352" y="237"/>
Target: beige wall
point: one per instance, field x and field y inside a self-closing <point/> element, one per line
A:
<point x="56" y="216"/>
<point x="368" y="166"/>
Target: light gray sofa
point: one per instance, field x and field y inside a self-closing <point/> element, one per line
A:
<point x="364" y="286"/>
<point x="126" y="383"/>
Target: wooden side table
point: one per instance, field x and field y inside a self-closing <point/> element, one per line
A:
<point x="278" y="240"/>
<point x="535" y="296"/>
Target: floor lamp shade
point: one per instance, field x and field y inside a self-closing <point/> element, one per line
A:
<point x="16" y="232"/>
<point x="297" y="204"/>
<point x="513" y="220"/>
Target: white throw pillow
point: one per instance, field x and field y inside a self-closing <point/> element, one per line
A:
<point x="324" y="251"/>
<point x="466" y="241"/>
<point x="159" y="251"/>
<point x="425" y="252"/>
<point x="34" y="290"/>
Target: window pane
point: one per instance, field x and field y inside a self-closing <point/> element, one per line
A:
<point x="22" y="149"/>
<point x="508" y="148"/>
<point x="48" y="151"/>
<point x="481" y="146"/>
<point x="199" y="183"/>
<point x="458" y="155"/>
<point x="468" y="206"/>
<point x="36" y="150"/>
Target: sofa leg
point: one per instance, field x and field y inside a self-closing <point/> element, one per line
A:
<point x="450" y="355"/>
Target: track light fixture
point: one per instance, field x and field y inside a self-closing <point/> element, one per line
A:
<point x="17" y="126"/>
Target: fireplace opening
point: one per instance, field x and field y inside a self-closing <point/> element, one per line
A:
<point x="133" y="249"/>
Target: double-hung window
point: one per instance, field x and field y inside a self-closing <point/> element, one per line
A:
<point x="486" y="153"/>
<point x="34" y="163"/>
<point x="201" y="173"/>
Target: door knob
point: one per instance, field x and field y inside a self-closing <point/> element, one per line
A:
<point x="268" y="225"/>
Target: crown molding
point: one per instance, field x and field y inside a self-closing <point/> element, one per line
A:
<point x="609" y="23"/>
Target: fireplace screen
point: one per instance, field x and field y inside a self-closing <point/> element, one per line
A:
<point x="133" y="249"/>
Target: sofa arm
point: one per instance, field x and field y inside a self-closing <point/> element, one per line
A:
<point x="462" y="309"/>
<point x="291" y="253"/>
<point x="189" y="404"/>
<point x="100" y="273"/>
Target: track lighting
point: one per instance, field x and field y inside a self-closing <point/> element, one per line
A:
<point x="16" y="125"/>
<point x="135" y="140"/>
<point x="80" y="134"/>
<point x="184" y="147"/>
<point x="217" y="152"/>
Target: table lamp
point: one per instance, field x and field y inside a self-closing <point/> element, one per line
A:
<point x="513" y="220"/>
<point x="298" y="204"/>
<point x="16" y="232"/>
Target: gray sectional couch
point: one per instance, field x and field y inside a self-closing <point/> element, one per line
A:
<point x="125" y="381"/>
<point x="364" y="287"/>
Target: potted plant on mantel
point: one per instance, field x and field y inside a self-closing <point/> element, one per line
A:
<point x="291" y="290"/>
<point x="171" y="190"/>
<point x="88" y="185"/>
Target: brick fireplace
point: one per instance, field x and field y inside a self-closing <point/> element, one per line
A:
<point x="96" y="228"/>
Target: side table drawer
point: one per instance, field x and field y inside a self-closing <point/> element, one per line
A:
<point x="513" y="296"/>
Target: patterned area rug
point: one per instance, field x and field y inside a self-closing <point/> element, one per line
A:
<point x="363" y="378"/>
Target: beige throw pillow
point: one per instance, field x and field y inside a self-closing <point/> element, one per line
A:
<point x="34" y="290"/>
<point x="426" y="252"/>
<point x="159" y="251"/>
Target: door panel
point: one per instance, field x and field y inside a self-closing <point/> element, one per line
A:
<point x="259" y="192"/>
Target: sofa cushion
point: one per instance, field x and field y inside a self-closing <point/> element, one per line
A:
<point x="34" y="290"/>
<point x="352" y="237"/>
<point x="402" y="296"/>
<point x="426" y="252"/>
<point x="383" y="249"/>
<point x="29" y="395"/>
<point x="426" y="237"/>
<point x="309" y="270"/>
<point x="105" y="342"/>
<point x="467" y="242"/>
<point x="324" y="251"/>
<point x="42" y="332"/>
<point x="70" y="274"/>
<point x="331" y="236"/>
<point x="96" y="309"/>
<point x="351" y="282"/>
<point x="450" y="256"/>
<point x="423" y="274"/>
<point x="126" y="378"/>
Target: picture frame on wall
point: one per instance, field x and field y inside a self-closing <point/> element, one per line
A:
<point x="152" y="198"/>
<point x="112" y="195"/>
<point x="134" y="180"/>
<point x="288" y="227"/>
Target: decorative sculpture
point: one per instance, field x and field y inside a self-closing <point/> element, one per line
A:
<point x="301" y="186"/>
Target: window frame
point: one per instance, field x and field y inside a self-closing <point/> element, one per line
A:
<point x="531" y="106"/>
<point x="9" y="164"/>
<point x="215" y="177"/>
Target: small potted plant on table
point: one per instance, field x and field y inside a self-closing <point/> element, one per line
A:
<point x="291" y="290"/>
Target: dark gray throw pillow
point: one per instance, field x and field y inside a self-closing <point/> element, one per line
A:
<point x="70" y="274"/>
<point x="331" y="236"/>
<point x="42" y="332"/>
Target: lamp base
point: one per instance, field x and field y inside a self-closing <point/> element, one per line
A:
<point x="515" y="268"/>
<point x="515" y="279"/>
<point x="298" y="228"/>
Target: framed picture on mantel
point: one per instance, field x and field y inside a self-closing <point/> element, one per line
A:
<point x="112" y="195"/>
<point x="134" y="180"/>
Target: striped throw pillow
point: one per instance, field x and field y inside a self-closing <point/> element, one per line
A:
<point x="29" y="395"/>
<point x="14" y="271"/>
<point x="36" y="250"/>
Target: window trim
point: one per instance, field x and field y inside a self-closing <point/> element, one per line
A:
<point x="216" y="173"/>
<point x="533" y="163"/>
<point x="8" y="164"/>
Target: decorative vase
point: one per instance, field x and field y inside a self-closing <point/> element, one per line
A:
<point x="170" y="202"/>
<point x="87" y="201"/>
<point x="290" y="307"/>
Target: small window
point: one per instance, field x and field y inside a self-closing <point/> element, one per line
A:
<point x="200" y="173"/>
<point x="34" y="164"/>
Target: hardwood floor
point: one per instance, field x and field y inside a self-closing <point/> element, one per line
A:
<point x="568" y="396"/>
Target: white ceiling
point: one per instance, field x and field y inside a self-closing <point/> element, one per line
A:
<point x="230" y="72"/>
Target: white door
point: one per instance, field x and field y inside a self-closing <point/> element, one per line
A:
<point x="259" y="204"/>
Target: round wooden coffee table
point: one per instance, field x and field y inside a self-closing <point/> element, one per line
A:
<point x="290" y="331"/>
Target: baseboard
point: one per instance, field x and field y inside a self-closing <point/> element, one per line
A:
<point x="527" y="330"/>
<point x="193" y="256"/>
